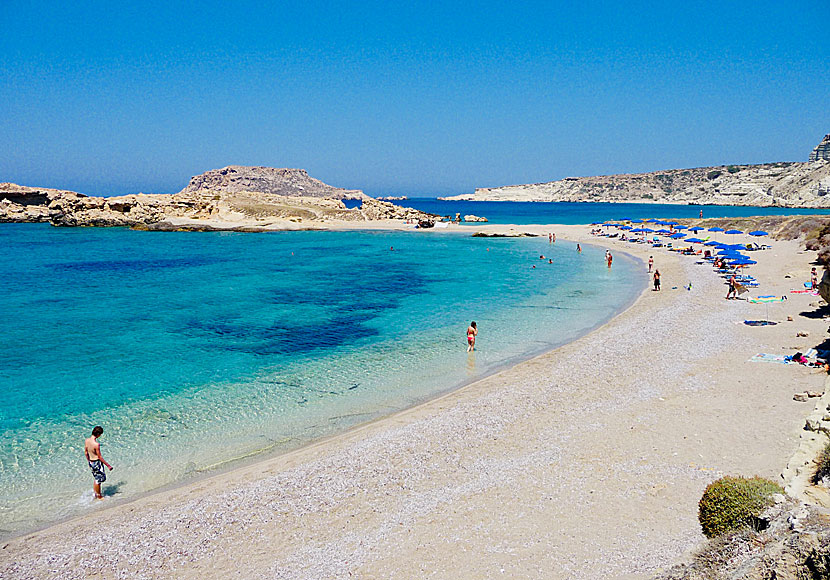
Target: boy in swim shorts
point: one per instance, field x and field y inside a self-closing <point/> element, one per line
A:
<point x="92" y="450"/>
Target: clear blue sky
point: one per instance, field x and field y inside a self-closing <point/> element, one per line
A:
<point x="414" y="98"/>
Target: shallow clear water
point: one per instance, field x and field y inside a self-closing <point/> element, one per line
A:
<point x="193" y="350"/>
<point x="536" y="212"/>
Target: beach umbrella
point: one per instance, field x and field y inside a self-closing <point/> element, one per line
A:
<point x="694" y="240"/>
<point x="596" y="223"/>
<point x="648" y="230"/>
<point x="624" y="219"/>
<point x="712" y="243"/>
<point x="715" y="229"/>
<point x="758" y="233"/>
<point x="678" y="227"/>
<point x="669" y="223"/>
<point x="636" y="221"/>
<point x="696" y="229"/>
<point x="678" y="236"/>
<point x="625" y="227"/>
<point x="765" y="300"/>
<point x="733" y="232"/>
<point x="664" y="232"/>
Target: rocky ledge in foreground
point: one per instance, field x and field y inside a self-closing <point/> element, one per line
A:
<point x="793" y="544"/>
<point x="235" y="197"/>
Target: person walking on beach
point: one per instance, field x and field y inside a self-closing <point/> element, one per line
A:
<point x="650" y="263"/>
<point x="657" y="280"/>
<point x="92" y="450"/>
<point x="472" y="332"/>
<point x="733" y="288"/>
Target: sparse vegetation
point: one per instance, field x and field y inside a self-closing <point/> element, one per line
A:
<point x="733" y="169"/>
<point x="823" y="461"/>
<point x="734" y="503"/>
<point x="714" y="174"/>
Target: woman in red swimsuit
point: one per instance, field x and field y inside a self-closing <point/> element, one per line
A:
<point x="472" y="332"/>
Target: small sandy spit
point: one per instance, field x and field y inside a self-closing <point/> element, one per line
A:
<point x="585" y="462"/>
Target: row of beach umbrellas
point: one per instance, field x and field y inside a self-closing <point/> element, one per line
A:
<point x="730" y="252"/>
<point x="695" y="229"/>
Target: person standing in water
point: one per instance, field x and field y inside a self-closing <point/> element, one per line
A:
<point x="610" y="259"/>
<point x="472" y="332"/>
<point x="92" y="450"/>
<point x="650" y="263"/>
<point x="578" y="249"/>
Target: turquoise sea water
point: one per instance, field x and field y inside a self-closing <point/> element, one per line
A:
<point x="533" y="212"/>
<point x="193" y="350"/>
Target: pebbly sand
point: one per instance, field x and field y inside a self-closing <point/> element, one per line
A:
<point x="585" y="462"/>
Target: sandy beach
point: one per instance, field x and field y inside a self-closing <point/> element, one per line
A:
<point x="585" y="462"/>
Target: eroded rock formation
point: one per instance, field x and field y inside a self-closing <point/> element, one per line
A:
<point x="218" y="199"/>
<point x="822" y="150"/>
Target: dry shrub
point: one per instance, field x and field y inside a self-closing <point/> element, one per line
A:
<point x="733" y="503"/>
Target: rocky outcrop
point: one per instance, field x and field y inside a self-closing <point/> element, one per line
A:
<point x="204" y="205"/>
<point x="771" y="184"/>
<point x="822" y="150"/>
<point x="794" y="544"/>
<point x="270" y="180"/>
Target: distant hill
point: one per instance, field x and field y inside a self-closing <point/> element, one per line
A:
<point x="785" y="184"/>
<point x="285" y="182"/>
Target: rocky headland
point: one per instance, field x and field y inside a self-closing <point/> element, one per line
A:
<point x="784" y="184"/>
<point x="235" y="197"/>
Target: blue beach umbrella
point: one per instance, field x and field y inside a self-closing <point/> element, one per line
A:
<point x="664" y="232"/>
<point x="624" y="219"/>
<point x="625" y="227"/>
<point x="712" y="243"/>
<point x="648" y="230"/>
<point x="678" y="227"/>
<point x="716" y="229"/>
<point x="596" y="223"/>
<point x="636" y="221"/>
<point x="758" y="233"/>
<point x="669" y="223"/>
<point x="678" y="236"/>
<point x="696" y="229"/>
<point x="694" y="240"/>
<point x="733" y="232"/>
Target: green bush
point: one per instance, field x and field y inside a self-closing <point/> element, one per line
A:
<point x="733" y="169"/>
<point x="713" y="174"/>
<point x="823" y="464"/>
<point x="732" y="503"/>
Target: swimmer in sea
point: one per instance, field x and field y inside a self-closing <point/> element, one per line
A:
<point x="579" y="249"/>
<point x="472" y="332"/>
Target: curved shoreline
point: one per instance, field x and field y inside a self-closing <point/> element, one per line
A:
<point x="251" y="458"/>
<point x="572" y="481"/>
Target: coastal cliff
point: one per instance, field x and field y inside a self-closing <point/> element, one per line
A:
<point x="771" y="184"/>
<point x="235" y="197"/>
<point x="784" y="184"/>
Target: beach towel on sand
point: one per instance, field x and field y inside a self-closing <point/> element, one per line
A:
<point x="771" y="358"/>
